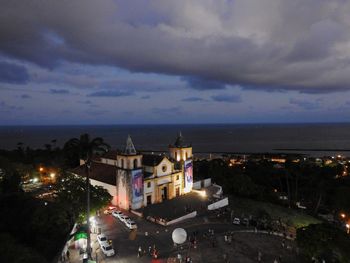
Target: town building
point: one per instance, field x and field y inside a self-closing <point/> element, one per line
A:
<point x="136" y="179"/>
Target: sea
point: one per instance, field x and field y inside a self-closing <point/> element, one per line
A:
<point x="312" y="139"/>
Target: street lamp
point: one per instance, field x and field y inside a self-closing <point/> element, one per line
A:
<point x="52" y="175"/>
<point x="342" y="215"/>
<point x="347" y="228"/>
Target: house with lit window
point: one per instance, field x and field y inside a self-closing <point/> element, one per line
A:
<point x="136" y="180"/>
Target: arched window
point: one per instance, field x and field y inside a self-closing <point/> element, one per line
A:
<point x="122" y="163"/>
<point x="186" y="156"/>
<point x="135" y="163"/>
<point x="176" y="156"/>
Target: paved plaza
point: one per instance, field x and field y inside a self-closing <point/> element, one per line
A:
<point x="245" y="245"/>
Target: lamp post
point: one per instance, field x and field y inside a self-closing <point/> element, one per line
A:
<point x="88" y="164"/>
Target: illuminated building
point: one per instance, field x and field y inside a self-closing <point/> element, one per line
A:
<point x="136" y="179"/>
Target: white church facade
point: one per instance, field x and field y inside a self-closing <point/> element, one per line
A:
<point x="136" y="180"/>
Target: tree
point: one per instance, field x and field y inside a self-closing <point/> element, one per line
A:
<point x="10" y="179"/>
<point x="87" y="149"/>
<point x="70" y="191"/>
<point x="324" y="241"/>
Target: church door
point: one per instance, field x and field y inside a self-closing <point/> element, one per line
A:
<point x="165" y="193"/>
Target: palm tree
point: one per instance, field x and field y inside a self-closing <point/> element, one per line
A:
<point x="87" y="149"/>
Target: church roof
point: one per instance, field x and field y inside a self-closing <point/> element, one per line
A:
<point x="129" y="148"/>
<point x="180" y="142"/>
<point x="112" y="154"/>
<point x="99" y="171"/>
<point x="152" y="159"/>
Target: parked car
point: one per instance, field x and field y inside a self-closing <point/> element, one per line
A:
<point x="117" y="213"/>
<point x="102" y="239"/>
<point x="131" y="224"/>
<point x="108" y="250"/>
<point x="236" y="221"/>
<point x="124" y="218"/>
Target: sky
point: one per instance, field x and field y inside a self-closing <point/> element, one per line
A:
<point x="183" y="61"/>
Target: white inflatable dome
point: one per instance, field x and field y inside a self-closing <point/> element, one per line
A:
<point x="179" y="236"/>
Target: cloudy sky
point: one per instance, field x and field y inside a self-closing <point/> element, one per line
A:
<point x="183" y="61"/>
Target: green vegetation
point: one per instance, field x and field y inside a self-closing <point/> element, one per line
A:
<point x="315" y="186"/>
<point x="291" y="217"/>
<point x="71" y="193"/>
<point x="35" y="230"/>
<point x="323" y="241"/>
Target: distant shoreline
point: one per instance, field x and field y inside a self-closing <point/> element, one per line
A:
<point x="312" y="150"/>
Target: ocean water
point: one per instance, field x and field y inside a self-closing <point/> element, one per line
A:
<point x="248" y="138"/>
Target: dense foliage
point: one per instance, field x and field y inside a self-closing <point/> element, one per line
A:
<point x="35" y="230"/>
<point x="316" y="186"/>
<point x="323" y="241"/>
<point x="71" y="192"/>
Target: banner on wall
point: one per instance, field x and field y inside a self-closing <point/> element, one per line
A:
<point x="188" y="175"/>
<point x="137" y="186"/>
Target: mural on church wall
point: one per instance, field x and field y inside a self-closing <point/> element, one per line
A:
<point x="137" y="185"/>
<point x="188" y="175"/>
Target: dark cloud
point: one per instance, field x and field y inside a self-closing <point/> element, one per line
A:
<point x="25" y="96"/>
<point x="166" y="111"/>
<point x="96" y="112"/>
<point x="13" y="74"/>
<point x="192" y="99"/>
<point x="9" y="108"/>
<point x="203" y="84"/>
<point x="59" y="91"/>
<point x="259" y="44"/>
<point x="307" y="105"/>
<point x="89" y="102"/>
<point x="111" y="93"/>
<point x="227" y="98"/>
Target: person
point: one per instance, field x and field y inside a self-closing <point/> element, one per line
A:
<point x="139" y="252"/>
<point x="150" y="250"/>
<point x="259" y="256"/>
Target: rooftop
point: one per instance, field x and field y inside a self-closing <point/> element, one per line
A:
<point x="152" y="159"/>
<point x="99" y="171"/>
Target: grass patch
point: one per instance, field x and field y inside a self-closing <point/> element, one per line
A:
<point x="244" y="207"/>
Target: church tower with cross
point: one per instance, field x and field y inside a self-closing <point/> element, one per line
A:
<point x="129" y="177"/>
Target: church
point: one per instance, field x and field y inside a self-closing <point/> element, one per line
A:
<point x="136" y="180"/>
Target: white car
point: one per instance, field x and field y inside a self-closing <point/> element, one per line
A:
<point x="124" y="218"/>
<point x="236" y="221"/>
<point x="102" y="239"/>
<point x="117" y="213"/>
<point x="107" y="249"/>
<point x="131" y="224"/>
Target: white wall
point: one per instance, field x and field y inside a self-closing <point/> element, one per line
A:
<point x="218" y="204"/>
<point x="197" y="185"/>
<point x="164" y="162"/>
<point x="112" y="189"/>
<point x="207" y="182"/>
<point x="190" y="215"/>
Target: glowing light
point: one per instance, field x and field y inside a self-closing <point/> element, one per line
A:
<point x="35" y="180"/>
<point x="52" y="175"/>
<point x="41" y="169"/>
<point x="202" y="193"/>
<point x="342" y="215"/>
